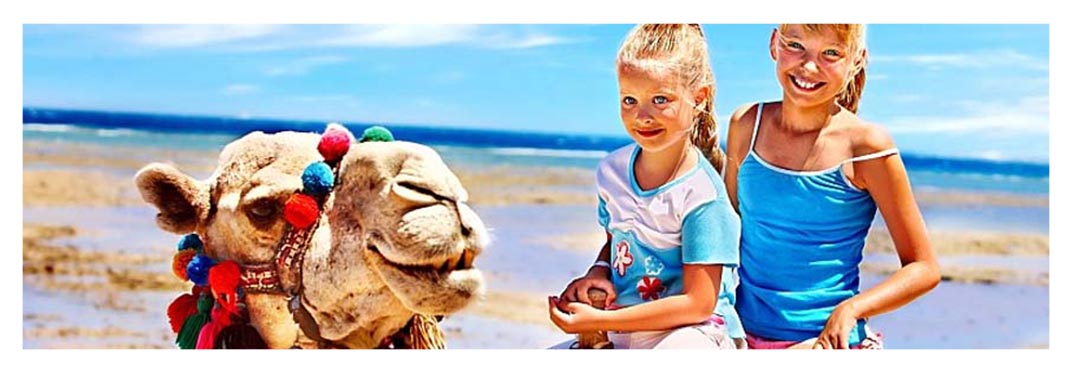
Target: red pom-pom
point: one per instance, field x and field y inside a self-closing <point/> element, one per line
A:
<point x="301" y="211"/>
<point x="223" y="279"/>
<point x="179" y="262"/>
<point x="181" y="308"/>
<point x="334" y="143"/>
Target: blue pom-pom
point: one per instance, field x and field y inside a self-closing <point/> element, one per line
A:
<point x="191" y="241"/>
<point x="317" y="179"/>
<point x="377" y="133"/>
<point x="198" y="269"/>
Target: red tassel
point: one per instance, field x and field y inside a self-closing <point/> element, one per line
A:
<point x="301" y="211"/>
<point x="223" y="279"/>
<point x="221" y="318"/>
<point x="182" y="307"/>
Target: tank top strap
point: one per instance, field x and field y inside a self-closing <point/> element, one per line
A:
<point x="879" y="154"/>
<point x="756" y="126"/>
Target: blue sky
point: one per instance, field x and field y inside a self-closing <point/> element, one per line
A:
<point x="976" y="91"/>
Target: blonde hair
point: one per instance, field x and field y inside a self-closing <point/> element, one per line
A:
<point x="853" y="35"/>
<point x="681" y="50"/>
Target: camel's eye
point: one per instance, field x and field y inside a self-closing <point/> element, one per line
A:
<point x="263" y="209"/>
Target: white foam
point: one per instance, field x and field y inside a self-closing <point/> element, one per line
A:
<point x="559" y="153"/>
<point x="41" y="127"/>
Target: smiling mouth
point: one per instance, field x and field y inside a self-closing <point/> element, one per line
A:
<point x="806" y="85"/>
<point x="649" y="133"/>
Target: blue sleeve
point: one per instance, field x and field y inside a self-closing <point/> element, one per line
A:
<point x="605" y="217"/>
<point x="711" y="234"/>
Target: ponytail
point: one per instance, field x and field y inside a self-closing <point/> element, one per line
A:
<point x="705" y="136"/>
<point x="850" y="97"/>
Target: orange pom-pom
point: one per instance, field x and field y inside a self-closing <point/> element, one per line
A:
<point x="179" y="262"/>
<point x="301" y="211"/>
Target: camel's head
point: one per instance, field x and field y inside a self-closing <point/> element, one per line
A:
<point x="398" y="238"/>
<point x="403" y="242"/>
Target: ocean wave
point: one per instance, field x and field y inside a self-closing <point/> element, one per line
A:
<point x="119" y="132"/>
<point x="558" y="153"/>
<point x="42" y="127"/>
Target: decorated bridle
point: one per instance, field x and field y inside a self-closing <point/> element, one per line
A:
<point x="213" y="314"/>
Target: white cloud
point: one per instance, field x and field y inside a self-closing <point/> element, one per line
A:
<point x="240" y="89"/>
<point x="181" y="36"/>
<point x="399" y="36"/>
<point x="977" y="60"/>
<point x="302" y="66"/>
<point x="253" y="38"/>
<point x="1029" y="115"/>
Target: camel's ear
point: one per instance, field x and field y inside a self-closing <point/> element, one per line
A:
<point x="182" y="201"/>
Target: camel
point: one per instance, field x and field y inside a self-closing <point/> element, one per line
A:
<point x="397" y="238"/>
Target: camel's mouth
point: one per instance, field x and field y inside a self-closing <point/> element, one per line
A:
<point x="437" y="287"/>
<point x="460" y="262"/>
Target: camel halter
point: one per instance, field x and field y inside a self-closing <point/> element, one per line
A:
<point x="201" y="325"/>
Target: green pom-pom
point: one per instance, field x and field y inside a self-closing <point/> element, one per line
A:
<point x="376" y="133"/>
<point x="187" y="338"/>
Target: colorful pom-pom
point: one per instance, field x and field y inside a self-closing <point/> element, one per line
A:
<point x="317" y="179"/>
<point x="180" y="309"/>
<point x="206" y="339"/>
<point x="179" y="262"/>
<point x="377" y="133"/>
<point x="334" y="143"/>
<point x="191" y="241"/>
<point x="191" y="329"/>
<point x="224" y="279"/>
<point x="198" y="269"/>
<point x="301" y="211"/>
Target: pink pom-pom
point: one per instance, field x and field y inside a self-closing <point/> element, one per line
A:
<point x="301" y="211"/>
<point x="334" y="143"/>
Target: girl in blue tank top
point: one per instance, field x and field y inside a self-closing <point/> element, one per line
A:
<point x="807" y="175"/>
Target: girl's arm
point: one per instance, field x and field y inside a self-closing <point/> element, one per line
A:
<point x="886" y="180"/>
<point x="695" y="304"/>
<point x="739" y="133"/>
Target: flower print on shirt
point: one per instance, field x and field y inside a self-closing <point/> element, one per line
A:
<point x="650" y="288"/>
<point x="623" y="258"/>
<point x="653" y="266"/>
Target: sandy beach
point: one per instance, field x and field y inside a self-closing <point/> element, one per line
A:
<point x="96" y="270"/>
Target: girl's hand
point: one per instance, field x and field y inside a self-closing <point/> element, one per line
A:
<point x="578" y="317"/>
<point x="578" y="289"/>
<point x="835" y="334"/>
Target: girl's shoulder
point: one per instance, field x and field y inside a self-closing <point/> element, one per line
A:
<point x="742" y="121"/>
<point x="866" y="137"/>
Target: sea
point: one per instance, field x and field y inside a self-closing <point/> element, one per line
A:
<point x="472" y="146"/>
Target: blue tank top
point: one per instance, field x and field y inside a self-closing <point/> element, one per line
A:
<point x="802" y="241"/>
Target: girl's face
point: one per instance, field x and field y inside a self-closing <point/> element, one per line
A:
<point x="812" y="67"/>
<point x="656" y="110"/>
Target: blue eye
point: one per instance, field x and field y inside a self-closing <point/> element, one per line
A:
<point x="629" y="100"/>
<point x="660" y="100"/>
<point x="795" y="45"/>
<point x="832" y="53"/>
